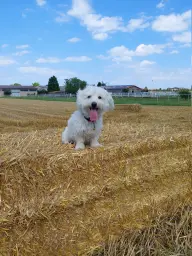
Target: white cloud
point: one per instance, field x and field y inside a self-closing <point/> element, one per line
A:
<point x="123" y="54"/>
<point x="102" y="57"/>
<point x="160" y="5"/>
<point x="33" y="69"/>
<point x="100" y="36"/>
<point x="74" y="40"/>
<point x="61" y="18"/>
<point x="177" y="76"/>
<point x="44" y="71"/>
<point x="4" y="45"/>
<point x="144" y="50"/>
<point x="135" y="24"/>
<point x="174" y="52"/>
<point x="163" y="77"/>
<point x="27" y="63"/>
<point x="100" y="26"/>
<point x="49" y="60"/>
<point x="62" y="5"/>
<point x="120" y="53"/>
<point x="23" y="15"/>
<point x="41" y="2"/>
<point x="172" y="22"/>
<point x="78" y="59"/>
<point x="145" y="63"/>
<point x="23" y="46"/>
<point x="21" y="53"/>
<point x="5" y="61"/>
<point x="69" y="59"/>
<point x="80" y="8"/>
<point x="26" y="11"/>
<point x="184" y="37"/>
<point x="188" y="45"/>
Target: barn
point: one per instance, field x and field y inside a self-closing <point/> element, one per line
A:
<point x="17" y="91"/>
<point x="123" y="88"/>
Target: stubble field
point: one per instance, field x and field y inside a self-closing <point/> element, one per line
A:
<point x="131" y="197"/>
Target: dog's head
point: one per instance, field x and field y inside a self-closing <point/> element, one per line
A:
<point x="93" y="101"/>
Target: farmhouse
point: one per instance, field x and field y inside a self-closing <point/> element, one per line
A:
<point x="123" y="88"/>
<point x="42" y="88"/>
<point x="17" y="91"/>
<point x="175" y="89"/>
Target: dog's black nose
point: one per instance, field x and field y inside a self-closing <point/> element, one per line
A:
<point x="93" y="105"/>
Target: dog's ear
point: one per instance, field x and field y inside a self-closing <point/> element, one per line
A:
<point x="79" y="93"/>
<point x="110" y="102"/>
<point x="79" y="96"/>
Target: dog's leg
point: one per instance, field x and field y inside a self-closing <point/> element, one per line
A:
<point x="65" y="139"/>
<point x="94" y="143"/>
<point x="80" y="144"/>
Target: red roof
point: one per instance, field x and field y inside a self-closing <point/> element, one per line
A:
<point x="121" y="87"/>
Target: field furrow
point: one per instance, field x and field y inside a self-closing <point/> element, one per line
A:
<point x="58" y="201"/>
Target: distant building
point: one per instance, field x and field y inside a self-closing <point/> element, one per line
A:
<point x="62" y="88"/>
<point x="42" y="88"/>
<point x="122" y="88"/>
<point x="45" y="88"/>
<point x="175" y="89"/>
<point x="18" y="91"/>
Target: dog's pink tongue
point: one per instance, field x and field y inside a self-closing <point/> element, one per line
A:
<point x="93" y="115"/>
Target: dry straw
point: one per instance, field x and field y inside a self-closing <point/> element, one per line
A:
<point x="129" y="196"/>
<point x="167" y="235"/>
<point x="130" y="107"/>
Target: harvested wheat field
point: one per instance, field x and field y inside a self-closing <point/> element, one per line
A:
<point x="131" y="197"/>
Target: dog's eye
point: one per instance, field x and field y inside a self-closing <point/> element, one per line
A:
<point x="100" y="97"/>
<point x="89" y="96"/>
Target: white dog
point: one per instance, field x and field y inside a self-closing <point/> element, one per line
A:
<point x="85" y="124"/>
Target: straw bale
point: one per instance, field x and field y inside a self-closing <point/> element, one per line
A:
<point x="57" y="201"/>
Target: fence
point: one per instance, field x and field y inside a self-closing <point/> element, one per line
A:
<point x="167" y="100"/>
<point x="157" y="98"/>
<point x="146" y="94"/>
<point x="58" y="95"/>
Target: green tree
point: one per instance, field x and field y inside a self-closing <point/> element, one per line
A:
<point x="35" y="84"/>
<point x="185" y="94"/>
<point x="72" y="85"/>
<point x="145" y="89"/>
<point x="43" y="91"/>
<point x="126" y="90"/>
<point x="7" y="92"/>
<point x="101" y="84"/>
<point x="17" y="84"/>
<point x="53" y="84"/>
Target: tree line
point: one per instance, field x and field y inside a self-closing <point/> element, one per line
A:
<point x="71" y="85"/>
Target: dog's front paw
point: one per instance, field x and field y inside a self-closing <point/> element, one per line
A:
<point x="79" y="146"/>
<point x="65" y="142"/>
<point x="95" y="145"/>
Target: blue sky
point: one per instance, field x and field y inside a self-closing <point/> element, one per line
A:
<point x="142" y="42"/>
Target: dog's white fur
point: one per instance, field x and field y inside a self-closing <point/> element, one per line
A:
<point x="81" y="132"/>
